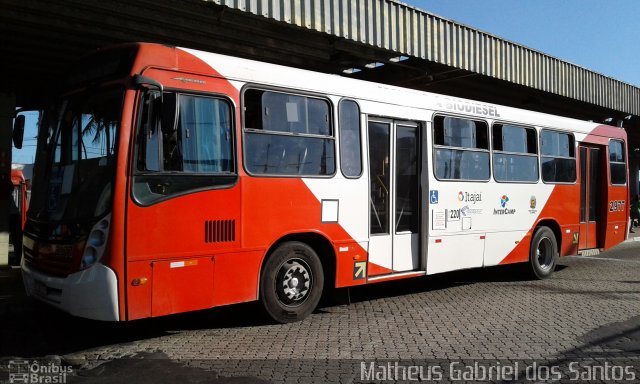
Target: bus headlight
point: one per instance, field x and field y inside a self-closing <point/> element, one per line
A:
<point x="96" y="242"/>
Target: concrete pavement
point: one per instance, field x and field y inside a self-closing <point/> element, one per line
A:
<point x="587" y="313"/>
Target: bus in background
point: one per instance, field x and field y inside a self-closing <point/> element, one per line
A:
<point x="170" y="180"/>
<point x="18" y="212"/>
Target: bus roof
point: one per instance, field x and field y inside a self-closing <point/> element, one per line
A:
<point x="253" y="72"/>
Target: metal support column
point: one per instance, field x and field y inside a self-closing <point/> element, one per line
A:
<point x="7" y="113"/>
<point x="633" y="175"/>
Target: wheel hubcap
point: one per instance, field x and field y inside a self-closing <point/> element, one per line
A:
<point x="293" y="283"/>
<point x="544" y="254"/>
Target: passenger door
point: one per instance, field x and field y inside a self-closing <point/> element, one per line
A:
<point x="394" y="219"/>
<point x="590" y="195"/>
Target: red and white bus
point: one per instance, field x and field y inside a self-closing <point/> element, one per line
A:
<point x="171" y="180"/>
<point x="19" y="194"/>
<point x="18" y="211"/>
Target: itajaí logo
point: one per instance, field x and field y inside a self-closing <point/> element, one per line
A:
<point x="470" y="197"/>
<point x="504" y="200"/>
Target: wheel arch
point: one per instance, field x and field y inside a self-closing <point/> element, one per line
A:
<point x="319" y="243"/>
<point x="555" y="228"/>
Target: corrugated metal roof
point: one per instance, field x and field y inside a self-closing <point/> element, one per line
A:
<point x="409" y="31"/>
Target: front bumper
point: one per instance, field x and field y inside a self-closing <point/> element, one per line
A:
<point x="92" y="293"/>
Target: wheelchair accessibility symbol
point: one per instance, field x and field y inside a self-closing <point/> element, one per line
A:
<point x="433" y="196"/>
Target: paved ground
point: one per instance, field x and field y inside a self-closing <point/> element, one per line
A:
<point x="588" y="314"/>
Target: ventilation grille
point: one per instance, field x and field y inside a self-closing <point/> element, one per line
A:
<point x="219" y="231"/>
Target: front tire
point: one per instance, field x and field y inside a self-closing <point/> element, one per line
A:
<point x="543" y="254"/>
<point x="291" y="282"/>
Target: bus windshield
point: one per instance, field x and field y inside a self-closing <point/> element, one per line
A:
<point x="76" y="158"/>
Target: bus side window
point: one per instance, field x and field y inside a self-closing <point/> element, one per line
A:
<point x="149" y="133"/>
<point x="617" y="162"/>
<point x="515" y="154"/>
<point x="174" y="161"/>
<point x="287" y="134"/>
<point x="461" y="149"/>
<point x="350" y="143"/>
<point x="558" y="157"/>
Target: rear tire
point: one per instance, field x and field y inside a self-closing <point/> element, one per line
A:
<point x="291" y="282"/>
<point x="543" y="254"/>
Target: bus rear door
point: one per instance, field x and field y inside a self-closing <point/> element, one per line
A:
<point x="591" y="184"/>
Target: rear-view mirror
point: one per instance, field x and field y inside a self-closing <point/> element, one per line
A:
<point x="18" y="131"/>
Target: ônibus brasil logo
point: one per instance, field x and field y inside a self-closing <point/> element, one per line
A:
<point x="503" y="201"/>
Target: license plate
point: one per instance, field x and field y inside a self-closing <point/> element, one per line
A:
<point x="39" y="289"/>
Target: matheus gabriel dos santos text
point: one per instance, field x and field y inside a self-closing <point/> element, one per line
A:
<point x="459" y="371"/>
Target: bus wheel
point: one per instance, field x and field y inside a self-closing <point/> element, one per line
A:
<point x="291" y="282"/>
<point x="543" y="254"/>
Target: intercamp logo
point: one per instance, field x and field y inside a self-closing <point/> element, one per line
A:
<point x="503" y="203"/>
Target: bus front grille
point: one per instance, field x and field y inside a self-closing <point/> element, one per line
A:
<point x="58" y="264"/>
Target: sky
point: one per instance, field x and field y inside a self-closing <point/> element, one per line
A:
<point x="27" y="153"/>
<point x="600" y="35"/>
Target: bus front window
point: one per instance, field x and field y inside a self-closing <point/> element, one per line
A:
<point x="75" y="163"/>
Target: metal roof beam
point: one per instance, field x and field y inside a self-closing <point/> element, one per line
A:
<point x="397" y="27"/>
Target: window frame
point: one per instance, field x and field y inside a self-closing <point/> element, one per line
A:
<point x="626" y="155"/>
<point x="294" y="92"/>
<point x="136" y="133"/>
<point x="380" y="120"/>
<point x="417" y="125"/>
<point x="536" y="155"/>
<point x="575" y="156"/>
<point x="435" y="146"/>
<point x="339" y="130"/>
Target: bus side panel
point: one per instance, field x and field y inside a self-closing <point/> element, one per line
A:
<point x="180" y="286"/>
<point x="454" y="252"/>
<point x="558" y="209"/>
<point x="520" y="253"/>
<point x="236" y="277"/>
<point x="139" y="298"/>
<point x="519" y="243"/>
<point x="350" y="234"/>
<point x="185" y="226"/>
<point x="180" y="237"/>
<point x="569" y="242"/>
<point x="276" y="207"/>
<point x="563" y="209"/>
<point x="351" y="264"/>
<point x="617" y="215"/>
